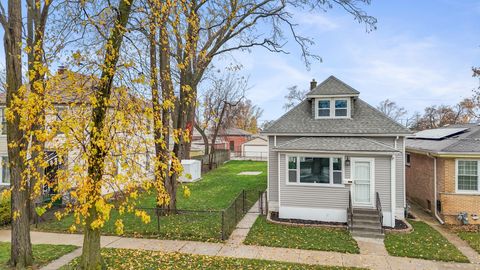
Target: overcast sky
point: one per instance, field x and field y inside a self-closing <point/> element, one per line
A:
<point x="421" y="54"/>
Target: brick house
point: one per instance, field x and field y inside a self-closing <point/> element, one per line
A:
<point x="443" y="172"/>
<point x="235" y="138"/>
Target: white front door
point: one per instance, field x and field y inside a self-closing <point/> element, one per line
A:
<point x="363" y="182"/>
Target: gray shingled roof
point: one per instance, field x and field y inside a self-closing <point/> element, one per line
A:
<point x="357" y="144"/>
<point x="467" y="142"/>
<point x="365" y="120"/>
<point x="333" y="86"/>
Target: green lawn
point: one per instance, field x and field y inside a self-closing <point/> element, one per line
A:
<point x="142" y="259"/>
<point x="424" y="243"/>
<point x="472" y="238"/>
<point x="264" y="233"/>
<point x="42" y="254"/>
<point x="214" y="192"/>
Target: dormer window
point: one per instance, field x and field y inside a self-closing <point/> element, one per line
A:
<point x="332" y="108"/>
<point x="324" y="108"/>
<point x="341" y="108"/>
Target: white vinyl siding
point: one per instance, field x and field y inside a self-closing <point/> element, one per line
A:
<point x="467" y="176"/>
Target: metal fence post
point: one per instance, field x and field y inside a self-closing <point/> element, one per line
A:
<point x="158" y="220"/>
<point x="243" y="200"/>
<point x="235" y="209"/>
<point x="260" y="203"/>
<point x="223" y="225"/>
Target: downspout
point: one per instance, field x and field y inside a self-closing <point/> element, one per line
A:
<point x="392" y="190"/>
<point x="435" y="189"/>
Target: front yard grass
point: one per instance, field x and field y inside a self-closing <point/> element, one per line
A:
<point x="472" y="238"/>
<point x="143" y="259"/>
<point x="423" y="243"/>
<point x="42" y="254"/>
<point x="215" y="191"/>
<point x="264" y="233"/>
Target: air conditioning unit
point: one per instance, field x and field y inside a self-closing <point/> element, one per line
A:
<point x="192" y="170"/>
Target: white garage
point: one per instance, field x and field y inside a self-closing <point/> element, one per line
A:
<point x="255" y="149"/>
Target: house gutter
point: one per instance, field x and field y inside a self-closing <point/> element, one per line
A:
<point x="435" y="188"/>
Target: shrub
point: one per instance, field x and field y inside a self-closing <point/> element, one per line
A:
<point x="5" y="210"/>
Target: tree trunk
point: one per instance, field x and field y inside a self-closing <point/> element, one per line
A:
<point x="168" y="97"/>
<point x="21" y="248"/>
<point x="91" y="258"/>
<point x="204" y="137"/>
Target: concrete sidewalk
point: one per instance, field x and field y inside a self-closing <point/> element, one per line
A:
<point x="370" y="261"/>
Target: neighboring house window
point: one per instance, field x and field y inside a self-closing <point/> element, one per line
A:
<point x="467" y="175"/>
<point x="341" y="107"/>
<point x="324" y="108"/>
<point x="407" y="159"/>
<point x="315" y="170"/>
<point x="5" y="171"/>
<point x="333" y="108"/>
<point x="4" y="121"/>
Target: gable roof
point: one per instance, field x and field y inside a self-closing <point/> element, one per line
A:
<point x="332" y="86"/>
<point x="336" y="144"/>
<point x="234" y="132"/>
<point x="465" y="142"/>
<point x="257" y="141"/>
<point x="365" y="120"/>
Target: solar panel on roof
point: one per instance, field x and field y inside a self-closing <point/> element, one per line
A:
<point x="438" y="133"/>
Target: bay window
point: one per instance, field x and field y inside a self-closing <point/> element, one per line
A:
<point x="315" y="170"/>
<point x="468" y="175"/>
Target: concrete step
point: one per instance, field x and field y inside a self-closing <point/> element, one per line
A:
<point x="368" y="229"/>
<point x="364" y="211"/>
<point x="362" y="223"/>
<point x="368" y="235"/>
<point x="365" y="216"/>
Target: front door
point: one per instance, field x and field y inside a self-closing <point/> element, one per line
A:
<point x="363" y="182"/>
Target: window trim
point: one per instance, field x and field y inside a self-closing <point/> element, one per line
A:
<point x="408" y="159"/>
<point x="2" y="115"/>
<point x="460" y="191"/>
<point x="2" y="183"/>
<point x="298" y="183"/>
<point x="332" y="108"/>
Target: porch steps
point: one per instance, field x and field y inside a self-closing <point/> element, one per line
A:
<point x="366" y="223"/>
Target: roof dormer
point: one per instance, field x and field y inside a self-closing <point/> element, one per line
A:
<point x="332" y="99"/>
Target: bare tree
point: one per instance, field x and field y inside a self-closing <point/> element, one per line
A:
<point x="225" y="93"/>
<point x="293" y="97"/>
<point x="392" y="110"/>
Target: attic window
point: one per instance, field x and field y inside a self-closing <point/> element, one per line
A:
<point x="324" y="108"/>
<point x="341" y="107"/>
<point x="333" y="108"/>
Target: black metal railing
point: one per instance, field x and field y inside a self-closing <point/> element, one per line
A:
<point x="350" y="211"/>
<point x="379" y="210"/>
<point x="262" y="203"/>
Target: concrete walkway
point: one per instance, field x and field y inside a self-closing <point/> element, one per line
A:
<point x="243" y="227"/>
<point x="370" y="261"/>
<point x="469" y="252"/>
